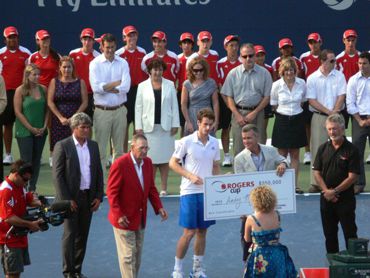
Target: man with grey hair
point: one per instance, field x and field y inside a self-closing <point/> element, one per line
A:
<point x="78" y="177"/>
<point x="247" y="89"/>
<point x="336" y="168"/>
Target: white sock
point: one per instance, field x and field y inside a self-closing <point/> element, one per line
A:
<point x="198" y="258"/>
<point x="226" y="154"/>
<point x="178" y="264"/>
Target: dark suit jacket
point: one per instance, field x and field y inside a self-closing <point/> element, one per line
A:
<point x="125" y="194"/>
<point x="66" y="170"/>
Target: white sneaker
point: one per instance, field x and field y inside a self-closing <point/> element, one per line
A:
<point x="307" y="158"/>
<point x="163" y="193"/>
<point x="177" y="274"/>
<point x="227" y="161"/>
<point x="8" y="159"/>
<point x="368" y="159"/>
<point x="198" y="271"/>
<point x="51" y="162"/>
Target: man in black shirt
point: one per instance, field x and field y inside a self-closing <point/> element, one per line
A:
<point x="336" y="169"/>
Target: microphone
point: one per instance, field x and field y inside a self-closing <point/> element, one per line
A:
<point x="60" y="206"/>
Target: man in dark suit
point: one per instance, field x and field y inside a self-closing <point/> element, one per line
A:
<point x="77" y="176"/>
<point x="130" y="185"/>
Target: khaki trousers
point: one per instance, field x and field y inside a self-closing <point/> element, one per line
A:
<point x="319" y="135"/>
<point x="129" y="247"/>
<point x="236" y="130"/>
<point x="110" y="125"/>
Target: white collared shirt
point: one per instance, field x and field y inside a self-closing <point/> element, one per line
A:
<point x="288" y="102"/>
<point x="138" y="169"/>
<point x="358" y="94"/>
<point x="103" y="71"/>
<point x="326" y="89"/>
<point x="199" y="159"/>
<point x="84" y="159"/>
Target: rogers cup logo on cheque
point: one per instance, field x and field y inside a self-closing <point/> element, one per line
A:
<point x="234" y="187"/>
<point x="339" y="5"/>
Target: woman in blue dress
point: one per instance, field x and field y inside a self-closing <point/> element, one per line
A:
<point x="268" y="257"/>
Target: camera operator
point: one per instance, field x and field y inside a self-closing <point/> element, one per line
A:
<point x="13" y="203"/>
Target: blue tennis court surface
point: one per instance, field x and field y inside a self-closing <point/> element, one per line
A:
<point x="302" y="234"/>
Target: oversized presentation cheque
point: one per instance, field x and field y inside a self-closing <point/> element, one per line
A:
<point x="227" y="196"/>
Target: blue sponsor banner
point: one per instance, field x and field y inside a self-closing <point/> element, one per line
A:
<point x="261" y="22"/>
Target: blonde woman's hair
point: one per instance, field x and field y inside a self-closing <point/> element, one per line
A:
<point x="26" y="86"/>
<point x="287" y="63"/>
<point x="263" y="198"/>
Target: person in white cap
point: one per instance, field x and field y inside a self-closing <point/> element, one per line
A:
<point x="134" y="55"/>
<point x="224" y="65"/>
<point x="13" y="58"/>
<point x="110" y="81"/>
<point x="82" y="57"/>
<point x="310" y="61"/>
<point x="186" y="44"/>
<point x="204" y="42"/>
<point x="286" y="50"/>
<point x="159" y="40"/>
<point x="326" y="91"/>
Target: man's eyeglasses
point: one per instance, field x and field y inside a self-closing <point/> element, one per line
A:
<point x="247" y="56"/>
<point x="332" y="61"/>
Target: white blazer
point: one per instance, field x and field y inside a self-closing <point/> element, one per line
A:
<point x="144" y="106"/>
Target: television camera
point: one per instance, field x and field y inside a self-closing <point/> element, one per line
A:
<point x="53" y="214"/>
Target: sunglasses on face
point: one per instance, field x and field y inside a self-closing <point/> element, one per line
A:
<point x="332" y="61"/>
<point x="247" y="56"/>
<point x="197" y="70"/>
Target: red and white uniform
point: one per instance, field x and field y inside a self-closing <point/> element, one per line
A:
<point x="134" y="60"/>
<point x="212" y="59"/>
<point x="13" y="64"/>
<point x="276" y="64"/>
<point x="13" y="201"/>
<point x="223" y="67"/>
<point x="47" y="65"/>
<point x="82" y="61"/>
<point x="348" y="64"/>
<point x="310" y="63"/>
<point x="171" y="60"/>
<point x="182" y="76"/>
<point x="269" y="68"/>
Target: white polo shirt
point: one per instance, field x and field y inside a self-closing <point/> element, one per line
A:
<point x="199" y="160"/>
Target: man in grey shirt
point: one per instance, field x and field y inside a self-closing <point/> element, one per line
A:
<point x="247" y="88"/>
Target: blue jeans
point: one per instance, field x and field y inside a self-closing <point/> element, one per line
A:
<point x="30" y="149"/>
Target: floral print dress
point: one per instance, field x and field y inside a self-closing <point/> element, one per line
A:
<point x="268" y="257"/>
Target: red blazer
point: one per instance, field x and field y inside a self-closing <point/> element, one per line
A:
<point x="125" y="195"/>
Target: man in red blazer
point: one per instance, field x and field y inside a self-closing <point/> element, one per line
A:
<point x="130" y="185"/>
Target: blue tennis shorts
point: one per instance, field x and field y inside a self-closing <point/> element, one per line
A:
<point x="192" y="212"/>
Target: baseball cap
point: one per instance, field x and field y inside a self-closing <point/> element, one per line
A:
<point x="10" y="30"/>
<point x="259" y="49"/>
<point x="230" y="38"/>
<point x="98" y="40"/>
<point x="186" y="36"/>
<point x="159" y="35"/>
<point x="314" y="37"/>
<point x="349" y="33"/>
<point x="284" y="42"/>
<point x="88" y="32"/>
<point x="42" y="34"/>
<point x="128" y="29"/>
<point x="204" y="35"/>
